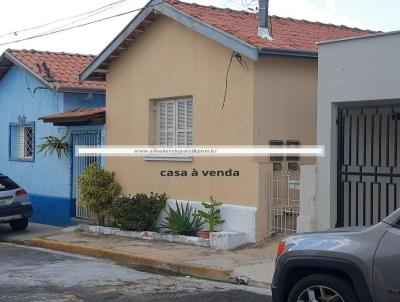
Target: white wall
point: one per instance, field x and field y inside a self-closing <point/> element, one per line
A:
<point x="358" y="70"/>
<point x="240" y="219"/>
<point x="306" y="220"/>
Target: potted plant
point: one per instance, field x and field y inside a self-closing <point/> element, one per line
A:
<point x="212" y="217"/>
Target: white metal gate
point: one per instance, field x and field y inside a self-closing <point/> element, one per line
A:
<point x="283" y="190"/>
<point x="79" y="164"/>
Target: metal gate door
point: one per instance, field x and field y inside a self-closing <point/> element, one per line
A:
<point x="79" y="164"/>
<point x="368" y="168"/>
<point x="283" y="190"/>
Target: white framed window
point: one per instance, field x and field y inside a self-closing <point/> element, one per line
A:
<point x="22" y="142"/>
<point x="175" y="122"/>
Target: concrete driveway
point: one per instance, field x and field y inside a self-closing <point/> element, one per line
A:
<point x="29" y="274"/>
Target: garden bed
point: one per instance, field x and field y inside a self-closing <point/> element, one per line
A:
<point x="218" y="240"/>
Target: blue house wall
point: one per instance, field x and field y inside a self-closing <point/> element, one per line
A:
<point x="48" y="178"/>
<point x="87" y="100"/>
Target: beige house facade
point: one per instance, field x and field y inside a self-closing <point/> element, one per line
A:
<point x="167" y="85"/>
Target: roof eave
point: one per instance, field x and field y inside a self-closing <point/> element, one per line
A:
<point x="18" y="63"/>
<point x="98" y="118"/>
<point x="137" y="20"/>
<point x="209" y="31"/>
<point x="372" y="35"/>
<point x="81" y="90"/>
<point x="5" y="65"/>
<point x="187" y="20"/>
<point x="288" y="53"/>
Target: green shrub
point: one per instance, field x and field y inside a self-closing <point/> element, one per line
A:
<point x="213" y="216"/>
<point x="137" y="212"/>
<point x="182" y="221"/>
<point x="97" y="189"/>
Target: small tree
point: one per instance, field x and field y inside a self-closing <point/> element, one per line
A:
<point x="97" y="190"/>
<point x="213" y="216"/>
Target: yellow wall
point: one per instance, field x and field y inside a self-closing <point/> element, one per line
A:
<point x="170" y="60"/>
<point x="285" y="104"/>
<point x="272" y="99"/>
<point x="285" y="100"/>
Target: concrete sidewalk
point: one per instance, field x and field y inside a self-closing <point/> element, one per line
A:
<point x="251" y="265"/>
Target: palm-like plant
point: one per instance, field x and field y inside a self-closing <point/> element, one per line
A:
<point x="55" y="144"/>
<point x="182" y="221"/>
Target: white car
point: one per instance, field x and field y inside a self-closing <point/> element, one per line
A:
<point x="15" y="207"/>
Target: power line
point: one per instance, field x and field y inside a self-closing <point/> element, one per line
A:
<point x="16" y="32"/>
<point x="97" y="12"/>
<point x="80" y="25"/>
<point x="249" y="2"/>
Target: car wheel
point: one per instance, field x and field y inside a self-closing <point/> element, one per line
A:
<point x="19" y="225"/>
<point x="322" y="288"/>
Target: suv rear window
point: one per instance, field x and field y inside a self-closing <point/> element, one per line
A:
<point x="7" y="184"/>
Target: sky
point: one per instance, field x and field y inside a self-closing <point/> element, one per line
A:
<point x="22" y="14"/>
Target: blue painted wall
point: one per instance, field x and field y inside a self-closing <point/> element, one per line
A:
<point x="73" y="100"/>
<point x="47" y="178"/>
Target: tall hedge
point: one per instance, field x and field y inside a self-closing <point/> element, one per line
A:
<point x="97" y="189"/>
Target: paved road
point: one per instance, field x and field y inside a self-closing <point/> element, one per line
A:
<point x="28" y="274"/>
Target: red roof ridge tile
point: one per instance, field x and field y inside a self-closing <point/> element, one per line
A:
<point x="213" y="7"/>
<point x="83" y="109"/>
<point x="33" y="51"/>
<point x="324" y="24"/>
<point x="254" y="14"/>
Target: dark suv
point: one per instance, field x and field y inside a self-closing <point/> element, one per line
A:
<point x="343" y="265"/>
<point x="15" y="207"/>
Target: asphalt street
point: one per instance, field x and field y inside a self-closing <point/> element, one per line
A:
<point x="29" y="274"/>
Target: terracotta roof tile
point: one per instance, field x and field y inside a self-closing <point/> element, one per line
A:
<point x="76" y="113"/>
<point x="291" y="34"/>
<point x="59" y="69"/>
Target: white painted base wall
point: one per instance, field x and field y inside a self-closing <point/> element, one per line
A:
<point x="306" y="222"/>
<point x="238" y="219"/>
<point x="224" y="241"/>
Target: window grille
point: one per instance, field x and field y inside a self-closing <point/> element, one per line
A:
<point x="22" y="141"/>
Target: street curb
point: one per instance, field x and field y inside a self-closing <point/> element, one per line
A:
<point x="187" y="269"/>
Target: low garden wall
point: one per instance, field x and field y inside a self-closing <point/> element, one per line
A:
<point x="238" y="219"/>
<point x="217" y="240"/>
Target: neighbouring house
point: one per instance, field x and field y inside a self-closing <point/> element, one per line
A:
<point x="358" y="122"/>
<point x="41" y="96"/>
<point x="183" y="74"/>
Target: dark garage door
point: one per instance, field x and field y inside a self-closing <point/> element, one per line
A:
<point x="368" y="164"/>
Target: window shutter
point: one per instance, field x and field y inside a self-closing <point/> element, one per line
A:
<point x="170" y="123"/>
<point x="162" y="109"/>
<point x="185" y="120"/>
<point x="20" y="142"/>
<point x="175" y="118"/>
<point x="181" y="113"/>
<point x="189" y="122"/>
<point x="166" y="119"/>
